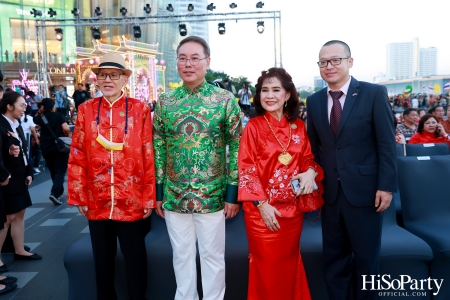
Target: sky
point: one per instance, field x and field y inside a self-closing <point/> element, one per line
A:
<point x="366" y="26"/>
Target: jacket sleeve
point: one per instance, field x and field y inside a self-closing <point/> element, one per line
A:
<point x="78" y="163"/>
<point x="149" y="192"/>
<point x="160" y="148"/>
<point x="232" y="136"/>
<point x="311" y="129"/>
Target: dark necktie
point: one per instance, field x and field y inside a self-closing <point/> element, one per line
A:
<point x="336" y="111"/>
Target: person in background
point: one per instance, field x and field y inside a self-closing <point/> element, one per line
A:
<point x="446" y="123"/>
<point x="410" y="118"/>
<point x="229" y="86"/>
<point x="244" y="98"/>
<point x="97" y="91"/>
<point x="80" y="95"/>
<point x="430" y="131"/>
<point x="438" y="112"/>
<point x="272" y="220"/>
<point x="34" y="101"/>
<point x="29" y="129"/>
<point x="422" y="113"/>
<point x="61" y="100"/>
<point x="56" y="160"/>
<point x="1" y="92"/>
<point x="14" y="151"/>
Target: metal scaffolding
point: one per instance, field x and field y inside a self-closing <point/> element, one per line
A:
<point x="143" y="20"/>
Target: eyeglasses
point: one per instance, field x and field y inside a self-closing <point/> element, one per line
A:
<point x="334" y="62"/>
<point x="194" y="60"/>
<point x="112" y="76"/>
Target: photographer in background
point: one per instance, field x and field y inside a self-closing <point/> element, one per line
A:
<point x="244" y="98"/>
<point x="80" y="95"/>
<point x="61" y="100"/>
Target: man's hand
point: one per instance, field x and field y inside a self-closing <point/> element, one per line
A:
<point x="82" y="209"/>
<point x="147" y="212"/>
<point x="159" y="210"/>
<point x="382" y="200"/>
<point x="230" y="210"/>
<point x="5" y="182"/>
<point x="28" y="180"/>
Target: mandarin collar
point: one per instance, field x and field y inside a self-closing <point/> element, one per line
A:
<point x="203" y="89"/>
<point x="274" y="122"/>
<point x="122" y="96"/>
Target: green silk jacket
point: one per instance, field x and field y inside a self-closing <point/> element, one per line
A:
<point x="190" y="133"/>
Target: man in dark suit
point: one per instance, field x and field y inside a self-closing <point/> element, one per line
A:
<point x="352" y="136"/>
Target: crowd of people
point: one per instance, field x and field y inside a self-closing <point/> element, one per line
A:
<point x="128" y="158"/>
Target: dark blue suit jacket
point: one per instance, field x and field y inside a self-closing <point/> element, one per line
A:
<point x="363" y="154"/>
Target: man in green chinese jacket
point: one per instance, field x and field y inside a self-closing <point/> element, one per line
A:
<point x="196" y="191"/>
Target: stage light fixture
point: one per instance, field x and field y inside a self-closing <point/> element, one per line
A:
<point x="36" y="13"/>
<point x="96" y="33"/>
<point x="169" y="7"/>
<point x="137" y="31"/>
<point x="123" y="11"/>
<point x="190" y="7"/>
<point x="51" y="13"/>
<point x="221" y="28"/>
<point x="59" y="34"/>
<point x="147" y="9"/>
<point x="260" y="4"/>
<point x="98" y="11"/>
<point x="76" y="12"/>
<point x="260" y="26"/>
<point x="182" y="29"/>
<point x="233" y="5"/>
<point x="210" y="7"/>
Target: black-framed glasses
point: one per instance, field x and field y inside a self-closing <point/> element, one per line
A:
<point x="193" y="60"/>
<point x="112" y="76"/>
<point x="334" y="62"/>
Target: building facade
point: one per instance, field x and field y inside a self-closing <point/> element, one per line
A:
<point x="427" y="61"/>
<point x="424" y="85"/>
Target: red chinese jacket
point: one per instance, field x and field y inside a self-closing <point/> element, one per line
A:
<point x="113" y="184"/>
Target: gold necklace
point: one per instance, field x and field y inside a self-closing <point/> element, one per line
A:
<point x="284" y="158"/>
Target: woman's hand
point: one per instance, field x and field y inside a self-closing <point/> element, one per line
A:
<point x="441" y="129"/>
<point x="14" y="150"/>
<point x="268" y="213"/>
<point x="307" y="182"/>
<point x="28" y="180"/>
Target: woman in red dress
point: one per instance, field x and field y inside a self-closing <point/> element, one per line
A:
<point x="430" y="131"/>
<point x="274" y="150"/>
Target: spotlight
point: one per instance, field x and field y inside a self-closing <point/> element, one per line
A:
<point x="147" y="9"/>
<point x="260" y="4"/>
<point x="221" y="28"/>
<point x="182" y="29"/>
<point x="233" y="5"/>
<point x="59" y="34"/>
<point x="260" y="26"/>
<point x="210" y="7"/>
<point x="169" y="7"/>
<point x="76" y="12"/>
<point x="98" y="11"/>
<point x="36" y="13"/>
<point x="51" y="13"/>
<point x="123" y="11"/>
<point x="190" y="7"/>
<point x="137" y="31"/>
<point x="96" y="33"/>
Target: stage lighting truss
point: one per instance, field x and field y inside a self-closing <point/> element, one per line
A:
<point x="190" y="7"/>
<point x="169" y="7"/>
<point x="59" y="34"/>
<point x="123" y="11"/>
<point x="221" y="28"/>
<point x="260" y="4"/>
<point x="147" y="9"/>
<point x="137" y="33"/>
<point x="210" y="7"/>
<point x="51" y="13"/>
<point x="76" y="12"/>
<point x="182" y="29"/>
<point x="98" y="11"/>
<point x="233" y="5"/>
<point x="96" y="32"/>
<point x="260" y="26"/>
<point x="36" y="13"/>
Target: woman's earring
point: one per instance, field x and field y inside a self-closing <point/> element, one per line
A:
<point x="285" y="104"/>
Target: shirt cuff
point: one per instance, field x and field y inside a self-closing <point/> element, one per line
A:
<point x="159" y="191"/>
<point x="231" y="194"/>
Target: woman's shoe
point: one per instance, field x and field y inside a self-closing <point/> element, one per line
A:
<point x="8" y="288"/>
<point x="3" y="268"/>
<point x="8" y="280"/>
<point x="34" y="256"/>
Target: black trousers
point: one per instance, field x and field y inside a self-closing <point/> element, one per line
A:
<point x="57" y="164"/>
<point x="104" y="234"/>
<point x="351" y="248"/>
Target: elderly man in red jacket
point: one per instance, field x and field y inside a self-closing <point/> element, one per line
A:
<point x="112" y="177"/>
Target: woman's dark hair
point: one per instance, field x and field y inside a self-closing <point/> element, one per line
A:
<point x="48" y="104"/>
<point x="27" y="113"/>
<point x="31" y="94"/>
<point x="422" y="122"/>
<point x="8" y="98"/>
<point x="292" y="108"/>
